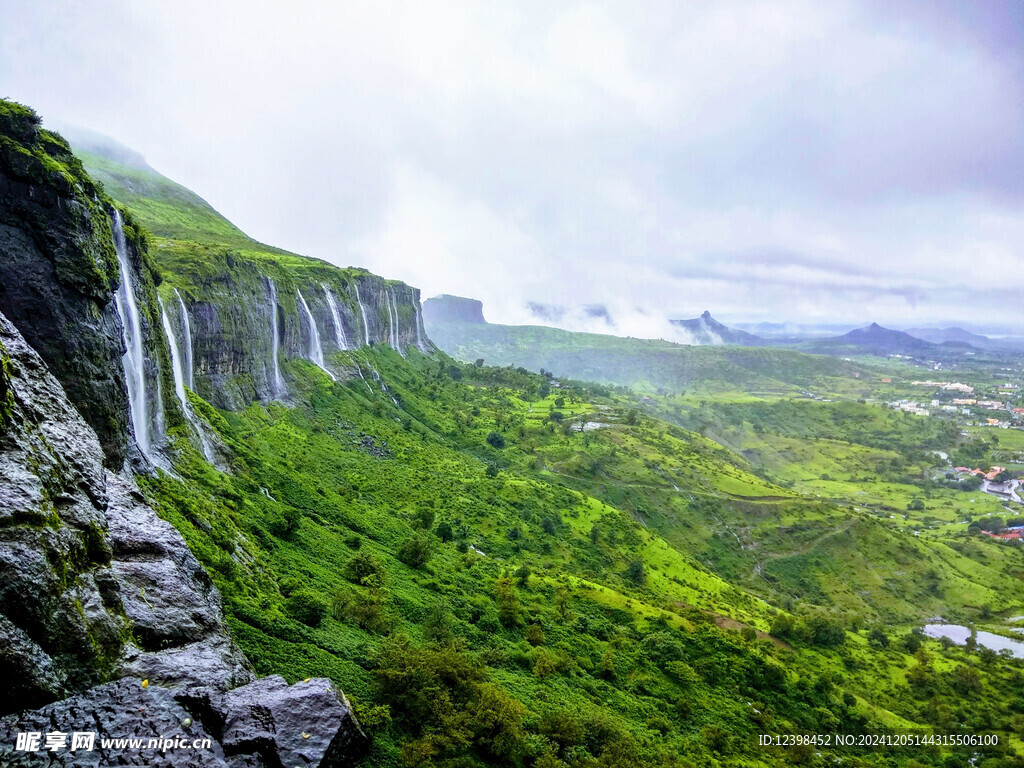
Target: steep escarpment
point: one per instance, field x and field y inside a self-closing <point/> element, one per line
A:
<point x="127" y="323"/>
<point x="77" y="280"/>
<point x="58" y="268"/>
<point x="249" y="313"/>
<point x="97" y="595"/>
<point x="241" y="312"/>
<point x="453" y="309"/>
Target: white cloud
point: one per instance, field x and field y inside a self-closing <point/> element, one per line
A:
<point x="762" y="160"/>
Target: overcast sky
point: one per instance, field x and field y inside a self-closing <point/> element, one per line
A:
<point x="794" y="161"/>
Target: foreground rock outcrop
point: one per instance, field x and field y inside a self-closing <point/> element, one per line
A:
<point x="108" y="623"/>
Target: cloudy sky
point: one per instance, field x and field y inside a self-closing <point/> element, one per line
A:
<point x="792" y="160"/>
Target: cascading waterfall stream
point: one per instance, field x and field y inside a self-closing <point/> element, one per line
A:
<point x="179" y="383"/>
<point x="339" y="329"/>
<point x="419" y="327"/>
<point x="393" y="311"/>
<point x="134" y="360"/>
<point x="362" y="310"/>
<point x="315" y="350"/>
<point x="186" y="328"/>
<point x="383" y="386"/>
<point x="276" y="342"/>
<point x="391" y="318"/>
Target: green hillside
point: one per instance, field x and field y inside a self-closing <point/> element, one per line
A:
<point x="647" y="364"/>
<point x="502" y="567"/>
<point x="165" y="208"/>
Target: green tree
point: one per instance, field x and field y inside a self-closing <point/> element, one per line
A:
<point x="535" y="634"/>
<point x="415" y="551"/>
<point x="444" y="531"/>
<point x="306" y="606"/>
<point x="507" y="599"/>
<point x="362" y="565"/>
<point x="636" y="572"/>
<point x="545" y="665"/>
<point x="878" y="639"/>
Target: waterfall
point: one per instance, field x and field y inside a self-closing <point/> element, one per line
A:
<point x="398" y="339"/>
<point x="186" y="328"/>
<point x="179" y="383"/>
<point x="383" y="386"/>
<point x="276" y="342"/>
<point x="134" y="361"/>
<point x="176" y="368"/>
<point x="392" y="322"/>
<point x="362" y="310"/>
<point x="315" y="351"/>
<point x="418" y="320"/>
<point x="339" y="329"/>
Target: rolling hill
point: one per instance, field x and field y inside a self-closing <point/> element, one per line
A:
<point x="631" y="362"/>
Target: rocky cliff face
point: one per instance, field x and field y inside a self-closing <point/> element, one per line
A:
<point x="57" y="270"/>
<point x="453" y="309"/>
<point x="97" y="595"/>
<point x="236" y="316"/>
<point x="237" y="305"/>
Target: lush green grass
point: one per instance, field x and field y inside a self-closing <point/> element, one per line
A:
<point x="502" y="569"/>
<point x="648" y="365"/>
<point x="165" y="208"/>
<point x="345" y="472"/>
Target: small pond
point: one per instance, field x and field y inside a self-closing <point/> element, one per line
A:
<point x="959" y="634"/>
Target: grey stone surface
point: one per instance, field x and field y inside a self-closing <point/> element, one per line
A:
<point x="264" y="724"/>
<point x="98" y="594"/>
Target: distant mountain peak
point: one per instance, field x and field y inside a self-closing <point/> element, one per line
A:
<point x="954" y="333"/>
<point x="706" y="330"/>
<point x="879" y="339"/>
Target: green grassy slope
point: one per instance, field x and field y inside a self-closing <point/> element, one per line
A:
<point x="644" y="363"/>
<point x="165" y="208"/>
<point x="566" y="604"/>
<point x="501" y="569"/>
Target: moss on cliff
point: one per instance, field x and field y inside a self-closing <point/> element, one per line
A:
<point x="6" y="394"/>
<point x="43" y="160"/>
<point x="56" y="236"/>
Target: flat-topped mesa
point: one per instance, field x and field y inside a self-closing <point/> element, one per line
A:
<point x="453" y="309"/>
<point x="250" y="316"/>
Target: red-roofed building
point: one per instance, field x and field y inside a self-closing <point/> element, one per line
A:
<point x="1008" y="536"/>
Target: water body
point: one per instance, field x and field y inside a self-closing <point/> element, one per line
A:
<point x="362" y="310"/>
<point x="959" y="634"/>
<point x="133" y="360"/>
<point x="275" y="339"/>
<point x="315" y="350"/>
<point x="393" y="317"/>
<point x="339" y="329"/>
<point x="176" y="368"/>
<point x="383" y="387"/>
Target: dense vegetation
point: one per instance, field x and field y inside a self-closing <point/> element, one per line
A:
<point x="504" y="568"/>
<point x="482" y="610"/>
